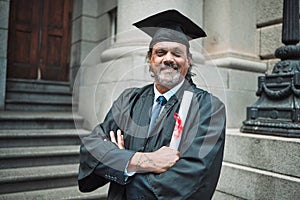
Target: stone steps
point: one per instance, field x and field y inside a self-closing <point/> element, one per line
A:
<point x="71" y="193"/>
<point x="37" y="178"/>
<point x="39" y="120"/>
<point x="251" y="183"/>
<point x="38" y="156"/>
<point x="29" y="95"/>
<point x="37" y="85"/>
<point x="37" y="105"/>
<point x="41" y="137"/>
<point x="276" y="154"/>
<point x="37" y="95"/>
<point x="42" y="164"/>
<point x="259" y="167"/>
<point x="45" y="182"/>
<point x="39" y="142"/>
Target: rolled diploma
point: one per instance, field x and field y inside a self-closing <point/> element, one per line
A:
<point x="182" y="113"/>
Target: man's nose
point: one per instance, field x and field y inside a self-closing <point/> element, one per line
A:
<point x="168" y="58"/>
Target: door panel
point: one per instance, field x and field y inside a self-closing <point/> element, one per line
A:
<point x="54" y="61"/>
<point x="23" y="39"/>
<point x="39" y="39"/>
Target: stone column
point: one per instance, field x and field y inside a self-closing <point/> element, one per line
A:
<point x="130" y="11"/>
<point x="231" y="44"/>
<point x="231" y="28"/>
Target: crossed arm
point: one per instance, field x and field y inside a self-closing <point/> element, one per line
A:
<point x="157" y="162"/>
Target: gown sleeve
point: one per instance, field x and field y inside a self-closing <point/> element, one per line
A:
<point x="101" y="161"/>
<point x="196" y="174"/>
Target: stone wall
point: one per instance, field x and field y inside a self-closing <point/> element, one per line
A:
<point x="259" y="167"/>
<point x="91" y="26"/>
<point x="269" y="25"/>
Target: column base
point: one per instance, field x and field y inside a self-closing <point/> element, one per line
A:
<point x="268" y="127"/>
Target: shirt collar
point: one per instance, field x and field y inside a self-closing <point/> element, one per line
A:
<point x="169" y="93"/>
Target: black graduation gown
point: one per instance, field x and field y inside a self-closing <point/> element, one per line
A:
<point x="196" y="173"/>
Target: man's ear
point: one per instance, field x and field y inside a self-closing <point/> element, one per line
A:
<point x="189" y="60"/>
<point x="149" y="57"/>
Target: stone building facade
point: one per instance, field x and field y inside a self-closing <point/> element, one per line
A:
<point x="108" y="55"/>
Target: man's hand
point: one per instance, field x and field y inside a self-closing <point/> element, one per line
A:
<point x="120" y="139"/>
<point x="157" y="162"/>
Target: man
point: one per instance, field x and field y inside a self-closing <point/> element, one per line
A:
<point x="130" y="148"/>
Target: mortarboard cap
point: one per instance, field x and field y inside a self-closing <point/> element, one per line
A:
<point x="171" y="26"/>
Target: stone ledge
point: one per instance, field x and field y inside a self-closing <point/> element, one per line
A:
<point x="43" y="133"/>
<point x="218" y="195"/>
<point x="272" y="153"/>
<point x="251" y="183"/>
<point x="240" y="64"/>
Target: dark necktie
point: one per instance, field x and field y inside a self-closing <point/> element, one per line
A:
<point x="161" y="101"/>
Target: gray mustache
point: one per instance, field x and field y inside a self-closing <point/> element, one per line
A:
<point x="168" y="65"/>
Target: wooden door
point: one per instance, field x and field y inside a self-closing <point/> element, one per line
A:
<point x="39" y="39"/>
<point x="23" y="39"/>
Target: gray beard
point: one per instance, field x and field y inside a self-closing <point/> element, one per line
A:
<point x="174" y="78"/>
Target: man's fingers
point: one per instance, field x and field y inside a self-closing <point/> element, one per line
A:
<point x="120" y="139"/>
<point x="112" y="137"/>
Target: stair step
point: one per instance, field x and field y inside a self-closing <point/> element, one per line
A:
<point x="41" y="137"/>
<point x="38" y="90"/>
<point x="58" y="193"/>
<point x="37" y="178"/>
<point x="38" y="156"/>
<point x="37" y="85"/>
<point x="253" y="183"/>
<point x="273" y="153"/>
<point x="39" y="120"/>
<point x="39" y="142"/>
<point x="39" y="96"/>
<point x="37" y="105"/>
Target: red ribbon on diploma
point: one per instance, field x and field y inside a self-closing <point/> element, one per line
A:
<point x="178" y="126"/>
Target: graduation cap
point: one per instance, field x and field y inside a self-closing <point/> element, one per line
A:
<point x="170" y="26"/>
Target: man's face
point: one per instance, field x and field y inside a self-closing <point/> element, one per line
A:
<point x="169" y="63"/>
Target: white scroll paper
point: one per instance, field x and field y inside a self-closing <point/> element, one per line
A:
<point x="180" y="121"/>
